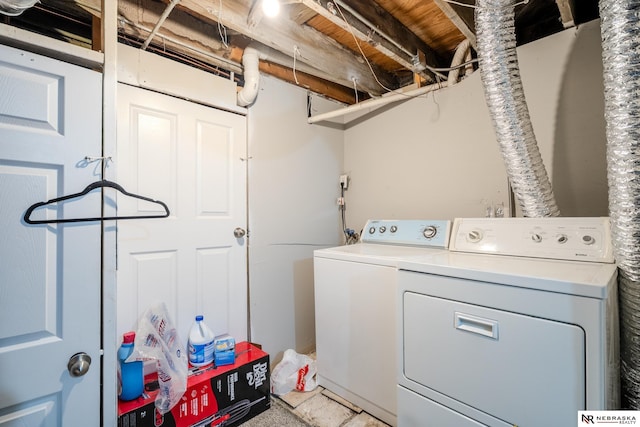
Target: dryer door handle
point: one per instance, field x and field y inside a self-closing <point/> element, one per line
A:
<point x="476" y="325"/>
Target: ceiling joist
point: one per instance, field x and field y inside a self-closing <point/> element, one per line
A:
<point x="310" y="46"/>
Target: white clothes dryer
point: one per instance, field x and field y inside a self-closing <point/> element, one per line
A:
<point x="355" y="311"/>
<point x="516" y="325"/>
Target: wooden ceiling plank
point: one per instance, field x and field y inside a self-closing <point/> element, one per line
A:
<point x="388" y="24"/>
<point x="313" y="48"/>
<point x="455" y="16"/>
<point x="364" y="33"/>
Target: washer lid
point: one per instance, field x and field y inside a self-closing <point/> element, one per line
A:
<point x="587" y="279"/>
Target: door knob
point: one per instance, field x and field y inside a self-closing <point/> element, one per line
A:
<point x="79" y="364"/>
<point x="239" y="232"/>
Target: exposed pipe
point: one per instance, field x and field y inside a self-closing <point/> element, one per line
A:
<point x="462" y="51"/>
<point x="620" y="24"/>
<point x="163" y="18"/>
<point x="376" y="102"/>
<point x="250" y="63"/>
<point x="496" y="41"/>
<point x="15" y="7"/>
<point x="398" y="96"/>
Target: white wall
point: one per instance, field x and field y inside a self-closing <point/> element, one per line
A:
<point x="436" y="156"/>
<point x="293" y="184"/>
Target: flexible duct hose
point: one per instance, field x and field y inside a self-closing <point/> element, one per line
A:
<point x="496" y="42"/>
<point x="15" y="7"/>
<point x="620" y="28"/>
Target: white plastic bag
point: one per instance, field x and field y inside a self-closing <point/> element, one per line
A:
<point x="157" y="338"/>
<point x="294" y="372"/>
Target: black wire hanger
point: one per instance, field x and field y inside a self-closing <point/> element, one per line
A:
<point x="98" y="184"/>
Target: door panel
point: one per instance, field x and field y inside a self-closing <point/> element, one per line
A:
<point x="50" y="119"/>
<point x="192" y="158"/>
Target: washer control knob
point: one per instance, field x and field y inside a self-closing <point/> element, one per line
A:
<point x="562" y="238"/>
<point x="588" y="240"/>
<point x="393" y="229"/>
<point x="383" y="228"/>
<point x="536" y="237"/>
<point x="429" y="231"/>
<point x="372" y="230"/>
<point x="474" y="236"/>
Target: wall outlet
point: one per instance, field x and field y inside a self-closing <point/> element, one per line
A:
<point x="344" y="181"/>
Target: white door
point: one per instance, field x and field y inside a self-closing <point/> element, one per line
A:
<point x="50" y="119"/>
<point x="192" y="158"/>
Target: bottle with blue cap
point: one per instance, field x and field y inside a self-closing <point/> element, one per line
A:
<point x="200" y="343"/>
<point x="130" y="374"/>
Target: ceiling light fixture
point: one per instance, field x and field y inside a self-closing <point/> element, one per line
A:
<point x="271" y="8"/>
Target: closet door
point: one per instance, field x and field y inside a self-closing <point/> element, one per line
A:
<point x="191" y="157"/>
<point x="50" y="120"/>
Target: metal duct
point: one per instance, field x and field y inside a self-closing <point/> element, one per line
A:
<point x="496" y="42"/>
<point x="15" y="7"/>
<point x="620" y="28"/>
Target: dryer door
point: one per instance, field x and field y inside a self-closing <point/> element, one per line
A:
<point x="524" y="370"/>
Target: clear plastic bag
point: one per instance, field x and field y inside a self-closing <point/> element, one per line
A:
<point x="294" y="372"/>
<point x="157" y="338"/>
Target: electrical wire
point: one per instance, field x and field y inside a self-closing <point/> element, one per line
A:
<point x="296" y="52"/>
<point x="355" y="87"/>
<point x="355" y="39"/>
<point x="350" y="235"/>
<point x="222" y="30"/>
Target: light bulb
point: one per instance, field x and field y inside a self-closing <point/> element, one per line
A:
<point x="271" y="7"/>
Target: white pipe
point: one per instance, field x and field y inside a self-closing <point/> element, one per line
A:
<point x="398" y="96"/>
<point x="163" y="18"/>
<point x="376" y="102"/>
<point x="250" y="62"/>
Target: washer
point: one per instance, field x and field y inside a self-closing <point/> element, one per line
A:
<point x="516" y="325"/>
<point x="355" y="311"/>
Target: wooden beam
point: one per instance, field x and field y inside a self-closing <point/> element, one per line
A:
<point x="462" y="17"/>
<point x="314" y="48"/>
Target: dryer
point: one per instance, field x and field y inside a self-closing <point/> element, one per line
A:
<point x="355" y="311"/>
<point x="516" y="325"/>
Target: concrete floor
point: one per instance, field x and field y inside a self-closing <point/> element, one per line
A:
<point x="317" y="408"/>
<point x="322" y="408"/>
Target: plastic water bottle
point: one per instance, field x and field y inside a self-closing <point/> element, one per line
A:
<point x="200" y="343"/>
<point x="130" y="373"/>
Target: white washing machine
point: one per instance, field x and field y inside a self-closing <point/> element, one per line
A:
<point x="517" y="325"/>
<point x="355" y="311"/>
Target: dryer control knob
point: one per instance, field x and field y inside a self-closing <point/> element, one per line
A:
<point x="372" y="230"/>
<point x="383" y="228"/>
<point x="562" y="238"/>
<point x="429" y="232"/>
<point x="536" y="237"/>
<point x="474" y="236"/>
<point x="588" y="240"/>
